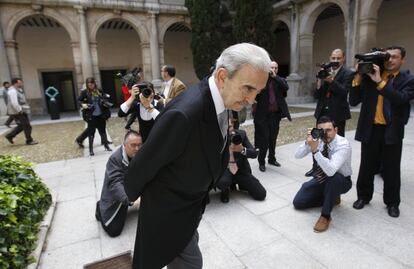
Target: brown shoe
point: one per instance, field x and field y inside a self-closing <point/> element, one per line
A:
<point x="321" y="225"/>
<point x="338" y="200"/>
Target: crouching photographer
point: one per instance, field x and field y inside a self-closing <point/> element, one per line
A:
<point x="331" y="176"/>
<point x="112" y="208"/>
<point x="142" y="103"/>
<point x="384" y="91"/>
<point x="238" y="172"/>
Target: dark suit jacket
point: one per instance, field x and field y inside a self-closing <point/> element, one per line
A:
<point x="173" y="172"/>
<point x="145" y="126"/>
<point x="262" y="106"/>
<point x="397" y="95"/>
<point x="86" y="98"/>
<point x="113" y="193"/>
<point x="242" y="162"/>
<point x="338" y="107"/>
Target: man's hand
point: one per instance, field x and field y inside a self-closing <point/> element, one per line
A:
<point x="311" y="142"/>
<point x="376" y="77"/>
<point x="134" y="91"/>
<point x="146" y="101"/>
<point x="329" y="79"/>
<point x="236" y="148"/>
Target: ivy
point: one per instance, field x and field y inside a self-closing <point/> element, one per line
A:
<point x="24" y="200"/>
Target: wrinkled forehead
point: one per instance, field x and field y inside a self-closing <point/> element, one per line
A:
<point x="326" y="125"/>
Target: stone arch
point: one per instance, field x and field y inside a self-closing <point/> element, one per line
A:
<point x="53" y="14"/>
<point x="138" y="26"/>
<point x="167" y="24"/>
<point x="315" y="9"/>
<point x="370" y="8"/>
<point x="281" y="19"/>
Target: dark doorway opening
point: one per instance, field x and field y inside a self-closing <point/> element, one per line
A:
<point x="63" y="82"/>
<point x="111" y="84"/>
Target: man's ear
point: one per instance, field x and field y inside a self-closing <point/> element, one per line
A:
<point x="221" y="76"/>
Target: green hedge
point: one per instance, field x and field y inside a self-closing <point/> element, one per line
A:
<point x="24" y="200"/>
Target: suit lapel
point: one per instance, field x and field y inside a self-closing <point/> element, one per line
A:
<point x="170" y="93"/>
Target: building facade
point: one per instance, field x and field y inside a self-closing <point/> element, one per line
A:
<point x="59" y="43"/>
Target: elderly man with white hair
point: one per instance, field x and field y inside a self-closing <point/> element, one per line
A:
<point x="185" y="155"/>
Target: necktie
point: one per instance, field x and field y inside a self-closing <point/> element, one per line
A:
<point x="232" y="164"/>
<point x="318" y="173"/>
<point x="223" y="121"/>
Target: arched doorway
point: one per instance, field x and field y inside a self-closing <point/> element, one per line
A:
<point x="46" y="59"/>
<point x="119" y="50"/>
<point x="395" y="20"/>
<point x="177" y="52"/>
<point x="328" y="34"/>
<point x="281" y="54"/>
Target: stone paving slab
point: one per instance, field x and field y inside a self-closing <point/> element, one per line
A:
<point x="243" y="233"/>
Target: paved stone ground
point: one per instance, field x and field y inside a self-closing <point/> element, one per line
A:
<point x="243" y="233"/>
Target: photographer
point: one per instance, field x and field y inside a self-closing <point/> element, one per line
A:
<point x="332" y="88"/>
<point x="331" y="177"/>
<point x="239" y="171"/>
<point x="269" y="110"/>
<point x="95" y="111"/>
<point x="142" y="103"/>
<point x="385" y="96"/>
<point x="111" y="209"/>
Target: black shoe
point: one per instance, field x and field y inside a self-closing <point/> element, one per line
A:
<point x="359" y="204"/>
<point x="80" y="144"/>
<point x="262" y="167"/>
<point x="107" y="148"/>
<point x="97" y="215"/>
<point x="309" y="173"/>
<point x="9" y="139"/>
<point x="224" y="196"/>
<point x="393" y="211"/>
<point x="8" y="125"/>
<point x="32" y="142"/>
<point x="275" y="163"/>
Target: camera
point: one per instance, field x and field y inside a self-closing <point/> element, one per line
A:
<point x="236" y="139"/>
<point x="366" y="61"/>
<point x="317" y="133"/>
<point x="131" y="78"/>
<point x="145" y="89"/>
<point x="325" y="69"/>
<point x="105" y="102"/>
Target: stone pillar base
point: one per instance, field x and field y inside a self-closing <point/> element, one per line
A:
<point x="294" y="93"/>
<point x="157" y="85"/>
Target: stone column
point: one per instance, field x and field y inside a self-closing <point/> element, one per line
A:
<point x="95" y="63"/>
<point x="155" y="50"/>
<point x="78" y="66"/>
<point x="367" y="34"/>
<point x="294" y="79"/>
<point x="12" y="56"/>
<point x="351" y="32"/>
<point x="306" y="66"/>
<point x="84" y="44"/>
<point x="146" y="61"/>
<point x="4" y="63"/>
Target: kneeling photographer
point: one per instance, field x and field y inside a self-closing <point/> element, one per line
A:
<point x="238" y="172"/>
<point x="143" y="104"/>
<point x="385" y="91"/>
<point x="332" y="175"/>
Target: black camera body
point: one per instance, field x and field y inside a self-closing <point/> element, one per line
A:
<point x="145" y="89"/>
<point x="131" y="78"/>
<point x="317" y="133"/>
<point x="236" y="138"/>
<point x="104" y="101"/>
<point x="366" y="61"/>
<point x="325" y="69"/>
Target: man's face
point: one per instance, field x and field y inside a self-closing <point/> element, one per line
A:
<point x="330" y="131"/>
<point x="7" y="85"/>
<point x="395" y="61"/>
<point x="132" y="145"/>
<point x="19" y="84"/>
<point x="274" y="68"/>
<point x="164" y="74"/>
<point x="337" y="56"/>
<point x="240" y="90"/>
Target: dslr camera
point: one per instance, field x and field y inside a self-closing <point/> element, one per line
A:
<point x="145" y="89"/>
<point x="326" y="69"/>
<point x="317" y="133"/>
<point x="236" y="138"/>
<point x="131" y="78"/>
<point x="366" y="61"/>
<point x="105" y="101"/>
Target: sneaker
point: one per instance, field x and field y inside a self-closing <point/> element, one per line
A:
<point x="322" y="224"/>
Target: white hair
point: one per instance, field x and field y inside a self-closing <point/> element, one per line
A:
<point x="236" y="56"/>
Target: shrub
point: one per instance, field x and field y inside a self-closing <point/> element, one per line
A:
<point x="24" y="200"/>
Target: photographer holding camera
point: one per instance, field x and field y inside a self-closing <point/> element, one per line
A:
<point x="331" y="176"/>
<point x="142" y="103"/>
<point x="385" y="96"/>
<point x="95" y="111"/>
<point x="239" y="171"/>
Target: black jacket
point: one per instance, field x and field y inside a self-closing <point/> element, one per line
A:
<point x="242" y="162"/>
<point x="397" y="95"/>
<point x="262" y="106"/>
<point x="337" y="103"/>
<point x="173" y="172"/>
<point x="86" y="98"/>
<point x="145" y="126"/>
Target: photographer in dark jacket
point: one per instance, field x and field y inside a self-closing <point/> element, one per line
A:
<point x="270" y="108"/>
<point x="385" y="96"/>
<point x="332" y="94"/>
<point x="95" y="111"/>
<point x="239" y="171"/>
<point x="146" y="108"/>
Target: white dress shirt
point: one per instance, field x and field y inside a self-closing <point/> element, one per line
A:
<point x="167" y="87"/>
<point x="339" y="160"/>
<point x="144" y="114"/>
<point x="217" y="99"/>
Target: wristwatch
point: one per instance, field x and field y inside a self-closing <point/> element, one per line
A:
<point x="243" y="151"/>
